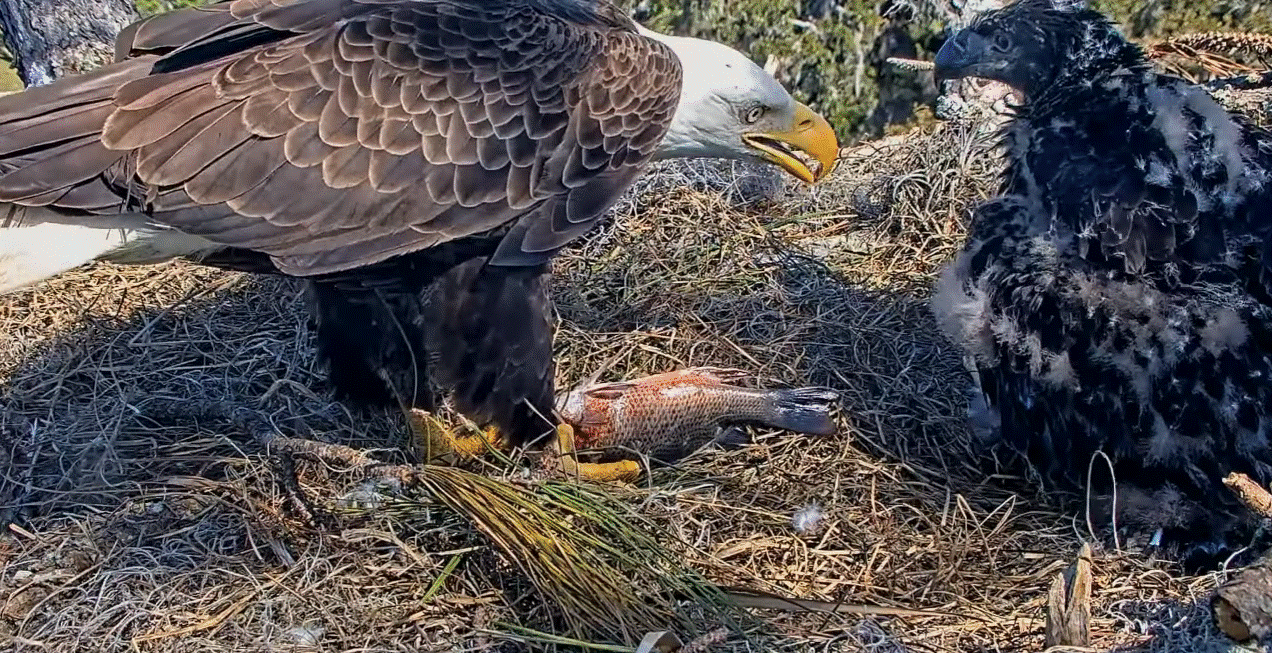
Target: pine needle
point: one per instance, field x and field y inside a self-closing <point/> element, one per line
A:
<point x="1252" y="43"/>
<point x="1214" y="52"/>
<point x="598" y="562"/>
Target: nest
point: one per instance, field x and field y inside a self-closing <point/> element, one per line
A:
<point x="1197" y="55"/>
<point x="140" y="521"/>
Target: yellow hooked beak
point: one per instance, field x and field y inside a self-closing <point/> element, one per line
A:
<point x="810" y="134"/>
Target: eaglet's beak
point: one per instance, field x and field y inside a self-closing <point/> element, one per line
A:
<point x="960" y="56"/>
<point x="810" y="134"/>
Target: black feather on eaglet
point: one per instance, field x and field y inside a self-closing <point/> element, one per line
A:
<point x="1116" y="296"/>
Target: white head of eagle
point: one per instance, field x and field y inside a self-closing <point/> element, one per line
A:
<point x="1116" y="297"/>
<point x="731" y="108"/>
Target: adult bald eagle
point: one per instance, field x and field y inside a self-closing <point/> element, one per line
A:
<point x="1117" y="296"/>
<point x="419" y="162"/>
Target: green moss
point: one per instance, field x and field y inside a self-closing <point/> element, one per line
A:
<point x="151" y="7"/>
<point x="9" y="80"/>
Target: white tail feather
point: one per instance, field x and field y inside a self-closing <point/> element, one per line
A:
<point x="31" y="254"/>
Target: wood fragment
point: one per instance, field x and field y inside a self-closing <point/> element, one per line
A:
<point x="1069" y="604"/>
<point x="1254" y="496"/>
<point x="662" y="641"/>
<point x="1243" y="606"/>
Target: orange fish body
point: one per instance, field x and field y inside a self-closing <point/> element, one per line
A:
<point x="667" y="416"/>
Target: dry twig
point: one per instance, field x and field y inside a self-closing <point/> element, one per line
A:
<point x="1255" y="497"/>
<point x="1069" y="604"/>
<point x="702" y="265"/>
<point x="1243" y="605"/>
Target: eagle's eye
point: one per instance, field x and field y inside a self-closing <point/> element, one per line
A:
<point x="1002" y="42"/>
<point x="754" y="114"/>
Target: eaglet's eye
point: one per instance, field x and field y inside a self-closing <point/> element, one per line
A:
<point x="1002" y="42"/>
<point x="754" y="114"/>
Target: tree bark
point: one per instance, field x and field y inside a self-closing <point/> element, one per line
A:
<point x="1243" y="605"/>
<point x="1069" y="605"/>
<point x="51" y="38"/>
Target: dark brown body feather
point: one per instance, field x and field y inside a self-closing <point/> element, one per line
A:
<point x="374" y="146"/>
<point x="404" y="125"/>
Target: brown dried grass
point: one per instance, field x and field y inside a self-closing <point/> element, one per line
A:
<point x="139" y="523"/>
<point x="1195" y="55"/>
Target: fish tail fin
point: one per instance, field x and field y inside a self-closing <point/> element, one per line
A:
<point x="805" y="410"/>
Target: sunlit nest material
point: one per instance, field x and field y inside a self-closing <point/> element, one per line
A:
<point x="151" y="526"/>
<point x="1216" y="54"/>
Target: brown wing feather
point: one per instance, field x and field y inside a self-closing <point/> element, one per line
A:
<point x="369" y="128"/>
<point x="163" y="33"/>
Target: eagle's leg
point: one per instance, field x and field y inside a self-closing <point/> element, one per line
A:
<point x="489" y="330"/>
<point x="371" y="339"/>
<point x="492" y="328"/>
<point x="371" y="335"/>
<point x="620" y="470"/>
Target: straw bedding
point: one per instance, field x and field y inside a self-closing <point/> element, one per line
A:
<point x="143" y="521"/>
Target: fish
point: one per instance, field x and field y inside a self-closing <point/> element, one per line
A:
<point x="671" y="415"/>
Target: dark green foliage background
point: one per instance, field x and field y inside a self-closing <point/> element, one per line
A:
<point x="826" y="65"/>
<point x="844" y="85"/>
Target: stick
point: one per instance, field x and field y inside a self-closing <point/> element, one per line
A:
<point x="1069" y="604"/>
<point x="910" y="64"/>
<point x="1251" y="494"/>
<point x="1243" y="605"/>
<point x="747" y="598"/>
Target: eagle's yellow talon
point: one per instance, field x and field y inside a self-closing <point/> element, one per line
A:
<point x="433" y="439"/>
<point x="621" y="470"/>
<point x="626" y="471"/>
<point x="565" y="439"/>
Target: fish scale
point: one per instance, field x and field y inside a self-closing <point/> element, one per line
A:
<point x="667" y="416"/>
